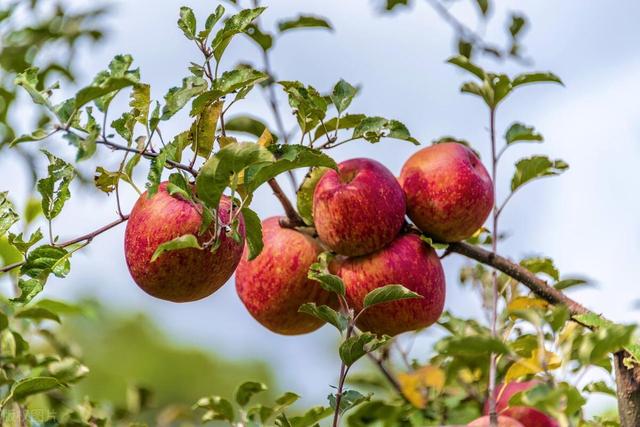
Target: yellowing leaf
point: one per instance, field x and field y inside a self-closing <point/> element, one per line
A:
<point x="526" y="303"/>
<point x="266" y="139"/>
<point x="468" y="376"/>
<point x="414" y="385"/>
<point x="539" y="361"/>
<point x="226" y="140"/>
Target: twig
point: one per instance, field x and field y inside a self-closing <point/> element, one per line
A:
<point x="147" y="155"/>
<point x="493" y="360"/>
<point x="90" y="236"/>
<point x="84" y="238"/>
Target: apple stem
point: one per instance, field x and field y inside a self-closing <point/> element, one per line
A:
<point x="293" y="218"/>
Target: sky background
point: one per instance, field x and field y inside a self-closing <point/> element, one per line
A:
<point x="586" y="219"/>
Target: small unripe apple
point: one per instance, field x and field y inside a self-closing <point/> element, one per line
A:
<point x="179" y="275"/>
<point x="449" y="192"/>
<point x="359" y="208"/>
<point x="502" y="422"/>
<point x="406" y="261"/>
<point x="274" y="285"/>
<point x="528" y="417"/>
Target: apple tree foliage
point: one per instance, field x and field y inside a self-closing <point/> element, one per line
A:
<point x="225" y="151"/>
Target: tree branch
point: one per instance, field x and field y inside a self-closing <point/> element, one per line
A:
<point x="519" y="273"/>
<point x="627" y="379"/>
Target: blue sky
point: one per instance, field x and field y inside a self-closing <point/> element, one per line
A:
<point x="586" y="220"/>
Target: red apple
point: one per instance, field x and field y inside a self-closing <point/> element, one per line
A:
<point x="406" y="261"/>
<point x="179" y="275"/>
<point x="274" y="285"/>
<point x="528" y="417"/>
<point x="358" y="209"/>
<point x="502" y="422"/>
<point x="449" y="192"/>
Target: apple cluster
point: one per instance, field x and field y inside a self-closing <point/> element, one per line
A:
<point x="359" y="213"/>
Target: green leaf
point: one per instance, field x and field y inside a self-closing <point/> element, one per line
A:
<point x="375" y="128"/>
<point x="599" y="387"/>
<point x="319" y="271"/>
<point x="516" y="25"/>
<point x="483" y="5"/>
<point x="187" y="22"/>
<point x="541" y="265"/>
<point x="28" y="79"/>
<point x="264" y="40"/>
<point x="28" y="290"/>
<point x="20" y="244"/>
<point x="605" y="340"/>
<point x="342" y="95"/>
<point x="68" y="370"/>
<point x="228" y="82"/>
<point x="388" y="293"/>
<point x="234" y="25"/>
<point x="216" y="173"/>
<point x="357" y="346"/>
<point x="55" y="187"/>
<point x="536" y="167"/>
<point x="349" y="399"/>
<point x="519" y="132"/>
<point x="464" y="63"/>
<point x="107" y="86"/>
<point x="8" y="214"/>
<point x="326" y="314"/>
<point x="311" y="417"/>
<point x="179" y="187"/>
<point x="124" y="126"/>
<point x="46" y="259"/>
<point x="211" y="21"/>
<point x="30" y="386"/>
<point x="435" y="245"/>
<point x="304" y="21"/>
<point x="349" y="121"/>
<point x="288" y="157"/>
<point x="245" y="124"/>
<point x="569" y="283"/>
<point x="309" y="106"/>
<point x="592" y="320"/>
<point x="7" y="344"/>
<point x="183" y="242"/>
<point x="527" y="78"/>
<point x="217" y="409"/>
<point x="105" y="180"/>
<point x="474" y="345"/>
<point x="37" y="313"/>
<point x="177" y="97"/>
<point x="253" y="228"/>
<point x="247" y="390"/>
<point x="304" y="198"/>
<point x="37" y="135"/>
